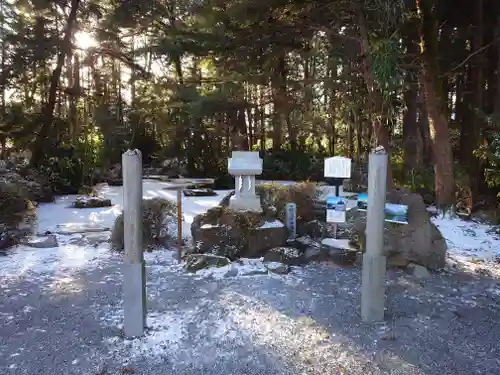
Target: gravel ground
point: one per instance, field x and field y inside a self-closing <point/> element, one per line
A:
<point x="57" y="320"/>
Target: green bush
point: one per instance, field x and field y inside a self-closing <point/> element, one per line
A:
<point x="490" y="154"/>
<point x="302" y="194"/>
<point x="157" y="213"/>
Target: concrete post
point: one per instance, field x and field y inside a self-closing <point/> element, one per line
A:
<point x="179" y="225"/>
<point x="374" y="260"/>
<point x="134" y="275"/>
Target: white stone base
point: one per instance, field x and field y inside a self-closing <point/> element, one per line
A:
<point x="245" y="204"/>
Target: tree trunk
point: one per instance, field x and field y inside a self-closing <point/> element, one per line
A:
<point x="332" y="96"/>
<point x="279" y="99"/>
<point x="380" y="130"/>
<point x="359" y="139"/>
<point x="411" y="139"/>
<point x="262" y="113"/>
<point x="424" y="131"/>
<point x="476" y="164"/>
<point x="439" y="127"/>
<point x="48" y="110"/>
<point x="350" y="136"/>
<point x="3" y="86"/>
<point x="496" y="106"/>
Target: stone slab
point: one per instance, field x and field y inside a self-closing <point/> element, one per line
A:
<point x="74" y="228"/>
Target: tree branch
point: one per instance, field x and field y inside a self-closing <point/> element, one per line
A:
<point x="483" y="48"/>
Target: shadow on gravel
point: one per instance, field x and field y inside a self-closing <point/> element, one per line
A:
<point x="447" y="324"/>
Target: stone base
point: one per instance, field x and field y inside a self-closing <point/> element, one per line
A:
<point x="373" y="288"/>
<point x="245" y="204"/>
<point x="134" y="299"/>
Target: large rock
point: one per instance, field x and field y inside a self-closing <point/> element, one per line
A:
<point x="264" y="237"/>
<point x="417" y="242"/>
<point x="76" y="228"/>
<point x="42" y="242"/>
<point x="277" y="267"/>
<point x="89" y="239"/>
<point x="285" y="255"/>
<point x="202" y="192"/>
<point x="196" y="262"/>
<point x="91" y="202"/>
<point x="235" y="234"/>
<point x="339" y="251"/>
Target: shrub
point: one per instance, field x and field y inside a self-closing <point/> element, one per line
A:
<point x="15" y="208"/>
<point x="157" y="214"/>
<point x="31" y="185"/>
<point x="302" y="194"/>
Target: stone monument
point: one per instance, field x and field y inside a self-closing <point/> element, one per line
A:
<point x="134" y="273"/>
<point x="374" y="260"/>
<point x="244" y="166"/>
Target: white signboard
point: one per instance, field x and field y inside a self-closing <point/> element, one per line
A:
<point x="291" y="220"/>
<point x="338" y="167"/>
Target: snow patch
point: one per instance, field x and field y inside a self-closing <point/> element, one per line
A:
<point x="272" y="224"/>
<point x="289" y="252"/>
<point x="169" y="336"/>
<point x="209" y="226"/>
<point x="49" y="264"/>
<point x="273" y="265"/>
<point x="336" y="243"/>
<point x="468" y="240"/>
<point x="242" y="267"/>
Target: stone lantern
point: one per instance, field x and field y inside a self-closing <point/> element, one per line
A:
<point x="244" y="166"/>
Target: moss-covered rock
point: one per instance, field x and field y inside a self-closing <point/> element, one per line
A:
<point x="234" y="234"/>
<point x="418" y="242"/>
<point x="196" y="262"/>
<point x="91" y="202"/>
